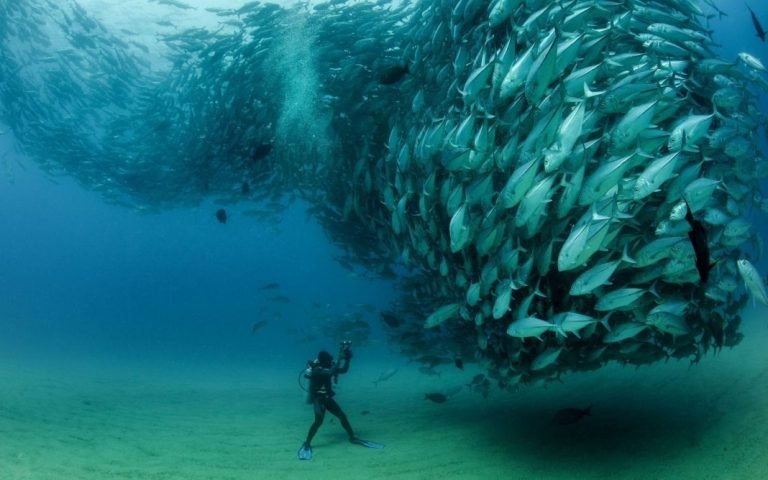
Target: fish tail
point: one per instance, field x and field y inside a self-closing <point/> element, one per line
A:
<point x="588" y="93"/>
<point x="625" y="256"/>
<point x="604" y="321"/>
<point x="560" y="332"/>
<point x="653" y="291"/>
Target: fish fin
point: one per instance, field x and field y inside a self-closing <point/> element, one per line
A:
<point x="615" y="212"/>
<point x="653" y="291"/>
<point x="625" y="256"/>
<point x="559" y="330"/>
<point x="588" y="93"/>
<point x="604" y="321"/>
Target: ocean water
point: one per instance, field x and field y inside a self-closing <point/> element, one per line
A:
<point x="167" y="345"/>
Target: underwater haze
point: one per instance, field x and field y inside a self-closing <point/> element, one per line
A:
<point x="540" y="224"/>
<point x="85" y="280"/>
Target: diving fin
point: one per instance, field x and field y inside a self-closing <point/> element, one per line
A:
<point x="305" y="452"/>
<point x="366" y="443"/>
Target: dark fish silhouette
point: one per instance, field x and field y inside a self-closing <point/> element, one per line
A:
<point x="432" y="360"/>
<point x="429" y="371"/>
<point x="393" y="74"/>
<point x="281" y="299"/>
<point x="482" y="386"/>
<point x="245" y="189"/>
<point x="477" y="380"/>
<point x="385" y="375"/>
<point x="698" y="237"/>
<point x="270" y="286"/>
<point x="569" y="416"/>
<point x="258" y="326"/>
<point x="715" y="327"/>
<point x="221" y="215"/>
<point x="758" y="28"/>
<point x="459" y="362"/>
<point x="436" y="397"/>
<point x="391" y="319"/>
<point x="261" y="151"/>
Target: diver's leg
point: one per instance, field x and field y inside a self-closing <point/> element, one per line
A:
<point x="335" y="409"/>
<point x="319" y="417"/>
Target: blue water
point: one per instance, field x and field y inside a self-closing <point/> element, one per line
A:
<point x="82" y="277"/>
<point x="83" y="281"/>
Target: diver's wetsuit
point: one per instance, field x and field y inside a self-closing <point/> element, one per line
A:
<point x="321" y="396"/>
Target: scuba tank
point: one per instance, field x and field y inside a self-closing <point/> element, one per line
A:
<point x="306" y="373"/>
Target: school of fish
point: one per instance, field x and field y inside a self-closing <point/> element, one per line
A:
<point x="554" y="185"/>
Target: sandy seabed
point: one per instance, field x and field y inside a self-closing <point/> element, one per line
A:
<point x="92" y="420"/>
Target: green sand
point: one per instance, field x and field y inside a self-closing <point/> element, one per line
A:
<point x="70" y="419"/>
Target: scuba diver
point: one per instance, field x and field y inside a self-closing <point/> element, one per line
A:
<point x="320" y="394"/>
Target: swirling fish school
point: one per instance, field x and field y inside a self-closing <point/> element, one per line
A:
<point x="531" y="164"/>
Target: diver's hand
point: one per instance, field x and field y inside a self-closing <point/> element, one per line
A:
<point x="347" y="354"/>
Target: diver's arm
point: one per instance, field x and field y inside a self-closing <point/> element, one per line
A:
<point x="345" y="367"/>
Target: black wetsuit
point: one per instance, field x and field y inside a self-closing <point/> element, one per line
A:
<point x="321" y="397"/>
